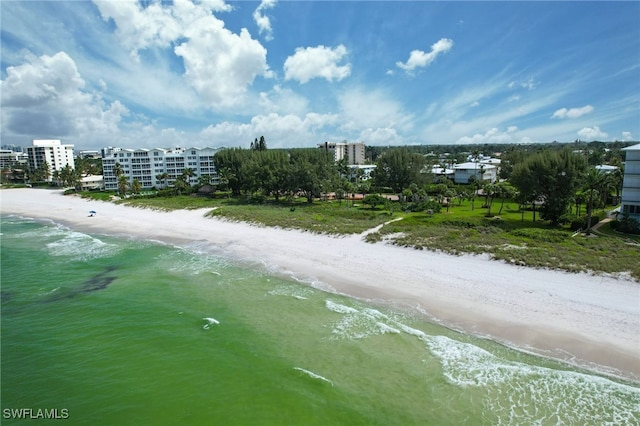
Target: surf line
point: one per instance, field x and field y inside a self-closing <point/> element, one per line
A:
<point x="313" y="375"/>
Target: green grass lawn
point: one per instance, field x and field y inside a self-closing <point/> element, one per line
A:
<point x="511" y="236"/>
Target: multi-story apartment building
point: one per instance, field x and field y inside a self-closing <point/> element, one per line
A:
<point x="148" y="166"/>
<point x="352" y="151"/>
<point x="51" y="151"/>
<point x="631" y="182"/>
<point x="10" y="158"/>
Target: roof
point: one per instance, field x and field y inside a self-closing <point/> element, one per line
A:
<point x="473" y="166"/>
<point x="635" y="147"/>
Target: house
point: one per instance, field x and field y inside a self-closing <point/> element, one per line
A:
<point x="631" y="182"/>
<point x="441" y="172"/>
<point x="482" y="172"/>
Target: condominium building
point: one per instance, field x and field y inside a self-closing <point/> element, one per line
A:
<point x="631" y="182"/>
<point x="149" y="166"/>
<point x="352" y="151"/>
<point x="51" y="151"/>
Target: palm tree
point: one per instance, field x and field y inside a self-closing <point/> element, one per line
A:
<point x="593" y="183"/>
<point x="163" y="177"/>
<point x="136" y="186"/>
<point x="118" y="170"/>
<point x="123" y="185"/>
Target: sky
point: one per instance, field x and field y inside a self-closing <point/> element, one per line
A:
<point x="210" y="73"/>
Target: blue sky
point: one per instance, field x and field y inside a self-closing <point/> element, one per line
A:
<point x="213" y="73"/>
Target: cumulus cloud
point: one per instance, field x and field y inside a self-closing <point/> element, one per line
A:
<point x="381" y="136"/>
<point x="317" y="62"/>
<point x="572" y="112"/>
<point x="626" y="136"/>
<point x="45" y="97"/>
<point x="592" y="134"/>
<point x="279" y="130"/>
<point x="263" y="21"/>
<point x="493" y="135"/>
<point x="219" y="64"/>
<point x="421" y="59"/>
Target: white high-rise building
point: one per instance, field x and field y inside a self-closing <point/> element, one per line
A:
<point x="352" y="151"/>
<point x="147" y="165"/>
<point x="51" y="151"/>
<point x="631" y="183"/>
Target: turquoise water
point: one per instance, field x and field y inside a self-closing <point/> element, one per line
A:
<point x="112" y="331"/>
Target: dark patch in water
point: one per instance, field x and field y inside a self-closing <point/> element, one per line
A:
<point x="97" y="282"/>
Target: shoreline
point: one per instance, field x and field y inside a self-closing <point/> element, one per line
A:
<point x="591" y="321"/>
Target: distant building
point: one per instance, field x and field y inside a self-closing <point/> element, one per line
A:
<point x="605" y="168"/>
<point x="631" y="182"/>
<point x="11" y="158"/>
<point x="89" y="154"/>
<point x="482" y="172"/>
<point x="360" y="172"/>
<point x="146" y="165"/>
<point x="442" y="172"/>
<point x="51" y="151"/>
<point x="352" y="151"/>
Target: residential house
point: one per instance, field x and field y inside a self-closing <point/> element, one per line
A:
<point x="482" y="172"/>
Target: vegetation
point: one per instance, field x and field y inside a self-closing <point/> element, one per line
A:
<point x="528" y="218"/>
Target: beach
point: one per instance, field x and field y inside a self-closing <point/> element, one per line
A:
<point x="588" y="320"/>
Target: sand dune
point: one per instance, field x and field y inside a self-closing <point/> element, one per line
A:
<point x="589" y="320"/>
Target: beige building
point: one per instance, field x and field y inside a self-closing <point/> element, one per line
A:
<point x="51" y="151"/>
<point x="352" y="151"/>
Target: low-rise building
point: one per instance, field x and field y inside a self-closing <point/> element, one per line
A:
<point x="482" y="172"/>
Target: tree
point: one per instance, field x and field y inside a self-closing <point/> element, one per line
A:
<point x="136" y="186"/>
<point x="398" y="168"/>
<point x="259" y="145"/>
<point x="553" y="177"/>
<point x="311" y="171"/>
<point x="374" y="200"/>
<point x="163" y="177"/>
<point x="118" y="170"/>
<point x="123" y="185"/>
<point x="594" y="181"/>
<point x="505" y="192"/>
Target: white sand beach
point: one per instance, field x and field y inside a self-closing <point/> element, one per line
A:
<point x="588" y="320"/>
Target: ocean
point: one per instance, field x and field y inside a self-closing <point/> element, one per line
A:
<point x="103" y="330"/>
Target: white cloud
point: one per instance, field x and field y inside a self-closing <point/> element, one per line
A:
<point x="45" y="97"/>
<point x="626" y="136"/>
<point x="317" y="62"/>
<point x="421" y="59"/>
<point x="219" y="64"/>
<point x="572" y="112"/>
<point x="372" y="109"/>
<point x="263" y="21"/>
<point x="592" y="134"/>
<point x="381" y="136"/>
<point x="278" y="130"/>
<point x="493" y="135"/>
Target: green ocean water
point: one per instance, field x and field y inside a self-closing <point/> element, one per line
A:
<point x="112" y="331"/>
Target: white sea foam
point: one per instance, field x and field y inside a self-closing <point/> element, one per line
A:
<point x="513" y="392"/>
<point x="77" y="245"/>
<point x="313" y="375"/>
<point x="210" y="321"/>
<point x="297" y="291"/>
